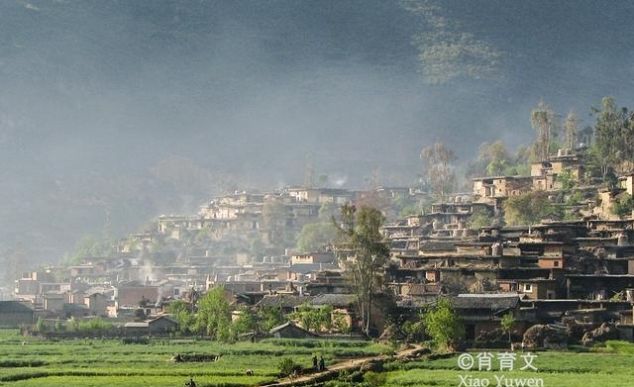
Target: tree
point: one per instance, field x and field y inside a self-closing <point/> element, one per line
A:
<point x="567" y="180"/>
<point x="507" y="323"/>
<point x="269" y="317"/>
<point x="480" y="218"/>
<point x="182" y="312"/>
<point x="40" y="325"/>
<point x="570" y="130"/>
<point x="624" y="206"/>
<point x="443" y="325"/>
<point x="316" y="236"/>
<point x="288" y="367"/>
<point x="274" y="221"/>
<point x="314" y="318"/>
<point x="360" y="233"/>
<point x="439" y="170"/>
<point x="528" y="209"/>
<point x="340" y="323"/>
<point x="414" y="330"/>
<point x="214" y="317"/>
<point x="245" y="323"/>
<point x="543" y="121"/>
<point x="609" y="140"/>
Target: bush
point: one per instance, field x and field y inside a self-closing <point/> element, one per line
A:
<point x="375" y="379"/>
<point x="288" y="367"/>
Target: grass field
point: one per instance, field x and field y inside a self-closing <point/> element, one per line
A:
<point x="111" y="363"/>
<point x="611" y="366"/>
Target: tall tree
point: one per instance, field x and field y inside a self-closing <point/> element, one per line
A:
<point x="528" y="209"/>
<point x="439" y="170"/>
<point x="607" y="149"/>
<point x="443" y="324"/>
<point x="507" y="323"/>
<point x="275" y="216"/>
<point x="359" y="231"/>
<point x="543" y="121"/>
<point x="214" y="316"/>
<point x="570" y="130"/>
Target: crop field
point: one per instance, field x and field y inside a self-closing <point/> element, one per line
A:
<point x="610" y="366"/>
<point x="34" y="362"/>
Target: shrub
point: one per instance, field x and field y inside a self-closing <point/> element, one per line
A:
<point x="288" y="366"/>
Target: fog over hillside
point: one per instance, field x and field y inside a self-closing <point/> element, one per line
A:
<point x="114" y="112"/>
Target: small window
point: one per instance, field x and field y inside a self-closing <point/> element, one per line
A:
<point x="556" y="263"/>
<point x="528" y="287"/>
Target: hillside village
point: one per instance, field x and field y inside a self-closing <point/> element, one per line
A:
<point x="569" y="271"/>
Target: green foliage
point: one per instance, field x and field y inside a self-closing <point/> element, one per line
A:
<point x="360" y="231"/>
<point x="73" y="324"/>
<point x="287" y="366"/>
<point x="103" y="362"/>
<point x="507" y="323"/>
<point x="529" y="208"/>
<point x="480" y="218"/>
<point x="316" y="236"/>
<point x="339" y="323"/>
<point x="40" y="325"/>
<point x="439" y="170"/>
<point x="543" y="120"/>
<point x="314" y="319"/>
<point x="214" y="316"/>
<point x="94" y="325"/>
<point x="374" y="379"/>
<point x="270" y="317"/>
<point x="495" y="160"/>
<point x="448" y="53"/>
<point x="614" y="137"/>
<point x="443" y="325"/>
<point x="566" y="180"/>
<point x="274" y="221"/>
<point x="59" y="326"/>
<point x="90" y="246"/>
<point x="624" y="206"/>
<point x="574" y="199"/>
<point x="183" y="315"/>
<point x="246" y="322"/>
<point x="414" y="330"/>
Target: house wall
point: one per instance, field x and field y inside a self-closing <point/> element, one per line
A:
<point x="162" y="326"/>
<point x="550" y="263"/>
<point x="16" y="319"/>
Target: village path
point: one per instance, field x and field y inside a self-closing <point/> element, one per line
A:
<point x="345" y="366"/>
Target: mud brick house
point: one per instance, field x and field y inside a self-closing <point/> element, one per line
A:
<point x="13" y="314"/>
<point x="597" y="286"/>
<point x="482" y="313"/>
<point x="496" y="187"/>
<point x="291" y="331"/>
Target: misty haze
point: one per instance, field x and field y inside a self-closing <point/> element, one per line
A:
<point x="161" y="157"/>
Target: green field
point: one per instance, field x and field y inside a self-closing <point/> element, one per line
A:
<point x="109" y="362"/>
<point x="611" y="366"/>
<point x="35" y="362"/>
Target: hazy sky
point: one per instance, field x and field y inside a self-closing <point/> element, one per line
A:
<point x="112" y="112"/>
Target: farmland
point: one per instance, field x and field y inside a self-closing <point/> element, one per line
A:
<point x="33" y="362"/>
<point x="609" y="366"/>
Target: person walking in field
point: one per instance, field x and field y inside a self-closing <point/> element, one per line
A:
<point x="315" y="364"/>
<point x="322" y="364"/>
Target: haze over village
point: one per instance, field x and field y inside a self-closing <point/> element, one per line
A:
<point x="327" y="193"/>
